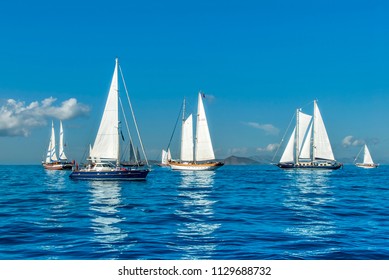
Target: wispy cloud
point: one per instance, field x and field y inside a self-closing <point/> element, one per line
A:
<point x="352" y="141"/>
<point x="267" y="128"/>
<point x="269" y="148"/>
<point x="17" y="118"/>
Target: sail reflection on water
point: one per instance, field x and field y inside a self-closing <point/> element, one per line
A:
<point x="195" y="228"/>
<point x="307" y="198"/>
<point x="104" y="204"/>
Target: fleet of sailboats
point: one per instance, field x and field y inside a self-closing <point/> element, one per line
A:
<point x="367" y="159"/>
<point x="196" y="155"/>
<point x="53" y="162"/>
<point x="309" y="145"/>
<point x="105" y="154"/>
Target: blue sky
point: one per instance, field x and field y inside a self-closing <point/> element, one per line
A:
<point x="256" y="60"/>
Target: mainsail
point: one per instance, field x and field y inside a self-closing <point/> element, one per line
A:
<point x="106" y="145"/>
<point x="367" y="159"/>
<point x="187" y="139"/>
<point x="204" y="149"/>
<point x="62" y="155"/>
<point x="321" y="143"/>
<point x="51" y="153"/>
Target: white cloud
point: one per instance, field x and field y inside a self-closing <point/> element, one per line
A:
<point x="269" y="148"/>
<point x="17" y="119"/>
<point x="352" y="141"/>
<point x="268" y="128"/>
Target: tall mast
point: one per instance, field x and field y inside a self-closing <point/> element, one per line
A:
<point x="182" y="126"/>
<point x="296" y="141"/>
<point x="314" y="131"/>
<point x="117" y="89"/>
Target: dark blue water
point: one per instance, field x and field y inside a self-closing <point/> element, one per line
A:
<point x="237" y="212"/>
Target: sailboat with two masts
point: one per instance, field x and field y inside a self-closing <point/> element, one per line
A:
<point x="309" y="145"/>
<point x="367" y="159"/>
<point x="104" y="156"/>
<point x="52" y="162"/>
<point x="198" y="155"/>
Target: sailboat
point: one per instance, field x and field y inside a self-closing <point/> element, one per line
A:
<point x="367" y="159"/>
<point x="203" y="157"/>
<point x="165" y="157"/>
<point x="104" y="155"/>
<point x="52" y="162"/>
<point x="309" y="145"/>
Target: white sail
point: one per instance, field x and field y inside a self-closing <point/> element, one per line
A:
<point x="106" y="145"/>
<point x="301" y="144"/>
<point x="367" y="157"/>
<point x="288" y="155"/>
<point x="204" y="149"/>
<point x="166" y="156"/>
<point x="164" y="159"/>
<point x="187" y="139"/>
<point x="321" y="143"/>
<point x="51" y="152"/>
<point x="304" y="136"/>
<point x="62" y="155"/>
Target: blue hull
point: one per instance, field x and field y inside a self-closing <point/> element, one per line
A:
<point x="294" y="166"/>
<point x="129" y="175"/>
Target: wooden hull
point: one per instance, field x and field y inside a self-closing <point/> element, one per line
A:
<point x="58" y="166"/>
<point x="117" y="175"/>
<point x="366" y="166"/>
<point x="310" y="165"/>
<point x="187" y="166"/>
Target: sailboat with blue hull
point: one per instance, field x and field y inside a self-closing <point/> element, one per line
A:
<point x="309" y="146"/>
<point x="104" y="156"/>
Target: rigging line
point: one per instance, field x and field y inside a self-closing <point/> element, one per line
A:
<point x="175" y="126"/>
<point x="283" y="137"/>
<point x="358" y="154"/>
<point x="127" y="127"/>
<point x="133" y="116"/>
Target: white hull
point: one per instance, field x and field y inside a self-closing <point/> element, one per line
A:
<point x="195" y="166"/>
<point x="366" y="166"/>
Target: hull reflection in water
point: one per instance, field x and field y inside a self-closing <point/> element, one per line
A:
<point x="308" y="197"/>
<point x="106" y="218"/>
<point x="196" y="228"/>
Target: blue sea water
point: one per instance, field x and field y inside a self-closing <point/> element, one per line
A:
<point x="236" y="212"/>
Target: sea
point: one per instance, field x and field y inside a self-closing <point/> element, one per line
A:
<point x="234" y="213"/>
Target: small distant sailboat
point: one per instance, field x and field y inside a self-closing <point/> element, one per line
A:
<point x="52" y="162"/>
<point x="367" y="159"/>
<point x="309" y="145"/>
<point x="203" y="157"/>
<point x="104" y="156"/>
<point x="165" y="158"/>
